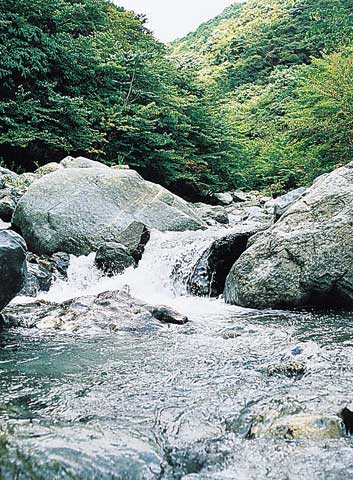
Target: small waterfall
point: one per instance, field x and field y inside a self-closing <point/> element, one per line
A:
<point x="160" y="277"/>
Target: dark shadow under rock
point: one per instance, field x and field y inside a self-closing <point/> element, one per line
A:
<point x="210" y="272"/>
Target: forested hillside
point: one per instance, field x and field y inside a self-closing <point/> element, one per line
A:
<point x="88" y="78"/>
<point x="258" y="98"/>
<point x="280" y="72"/>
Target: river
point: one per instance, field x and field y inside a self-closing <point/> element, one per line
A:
<point x="175" y="402"/>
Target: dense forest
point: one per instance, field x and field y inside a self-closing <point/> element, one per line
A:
<point x="280" y="75"/>
<point x="260" y="97"/>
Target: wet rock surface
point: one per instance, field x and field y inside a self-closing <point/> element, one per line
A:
<point x="43" y="271"/>
<point x="114" y="258"/>
<point x="13" y="268"/>
<point x="210" y="272"/>
<point x="107" y="311"/>
<point x="135" y="238"/>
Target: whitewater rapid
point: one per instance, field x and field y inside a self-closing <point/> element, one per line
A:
<point x="160" y="277"/>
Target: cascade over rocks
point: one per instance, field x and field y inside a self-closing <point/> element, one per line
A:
<point x="306" y="258"/>
<point x="210" y="272"/>
<point x="116" y="310"/>
<point x="75" y="210"/>
<point x="13" y="268"/>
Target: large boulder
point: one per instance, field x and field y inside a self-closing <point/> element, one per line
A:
<point x="13" y="269"/>
<point x="306" y="258"/>
<point x="75" y="210"/>
<point x="210" y="271"/>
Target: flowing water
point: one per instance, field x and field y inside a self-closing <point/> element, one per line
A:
<point x="177" y="402"/>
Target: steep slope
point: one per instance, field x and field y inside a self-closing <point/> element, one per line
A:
<point x="249" y="40"/>
<point x="278" y="75"/>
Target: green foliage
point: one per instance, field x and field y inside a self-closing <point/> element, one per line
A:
<point x="285" y="98"/>
<point x="259" y="97"/>
<point x="88" y="78"/>
<point x="320" y="118"/>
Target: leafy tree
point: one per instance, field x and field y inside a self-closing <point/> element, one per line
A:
<point x="284" y="96"/>
<point x="86" y="77"/>
<point x="320" y="118"/>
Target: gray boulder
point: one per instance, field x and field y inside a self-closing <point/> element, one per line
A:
<point x="210" y="272"/>
<point x="225" y="198"/>
<point x="212" y="214"/>
<point x="48" y="168"/>
<point x="7" y="205"/>
<point x="75" y="210"/>
<point x="13" y="269"/>
<point x="135" y="238"/>
<point x="279" y="205"/>
<point x="113" y="258"/>
<point x="306" y="258"/>
<point x="82" y="162"/>
<point x="113" y="311"/>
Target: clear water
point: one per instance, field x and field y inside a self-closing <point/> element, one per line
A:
<point x="174" y="403"/>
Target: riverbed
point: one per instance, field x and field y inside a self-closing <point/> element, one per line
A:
<point x="173" y="402"/>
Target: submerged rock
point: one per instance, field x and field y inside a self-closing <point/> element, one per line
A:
<point x="74" y="210"/>
<point x="210" y="272"/>
<point x="298" y="427"/>
<point x="113" y="258"/>
<point x="306" y="258"/>
<point x="290" y="369"/>
<point x="116" y="310"/>
<point x="13" y="268"/>
<point x="167" y="315"/>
